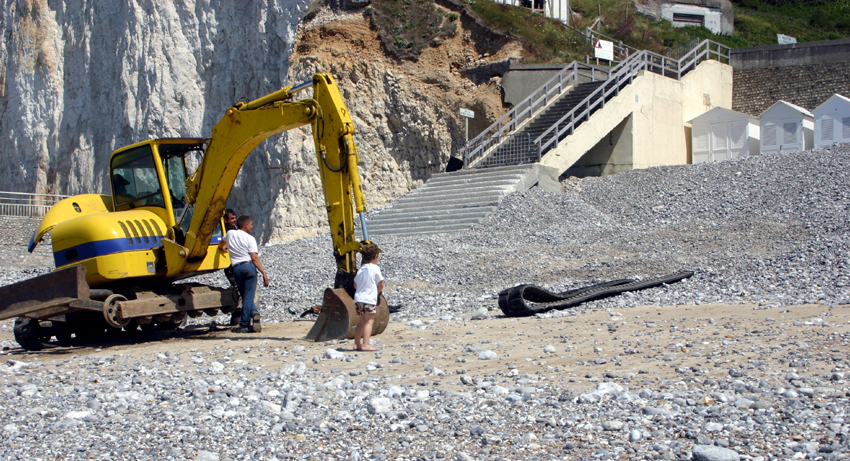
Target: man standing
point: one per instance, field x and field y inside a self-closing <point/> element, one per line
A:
<point x="229" y="225"/>
<point x="245" y="261"/>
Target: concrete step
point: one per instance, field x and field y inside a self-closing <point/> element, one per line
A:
<point x="474" y="186"/>
<point x="474" y="181"/>
<point x="458" y="193"/>
<point x="436" y="212"/>
<point x="511" y="170"/>
<point x="433" y="224"/>
<point x="417" y="230"/>
<point x="453" y="202"/>
<point x="432" y="206"/>
<point x="452" y="218"/>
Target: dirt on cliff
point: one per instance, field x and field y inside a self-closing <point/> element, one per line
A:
<point x="349" y="36"/>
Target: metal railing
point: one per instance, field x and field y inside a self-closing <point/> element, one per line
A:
<point x="27" y="205"/>
<point x="618" y="77"/>
<point x="683" y="48"/>
<point x="528" y="109"/>
<point x="622" y="75"/>
<point x="516" y="148"/>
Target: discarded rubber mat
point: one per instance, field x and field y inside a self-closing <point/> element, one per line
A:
<point x="526" y="300"/>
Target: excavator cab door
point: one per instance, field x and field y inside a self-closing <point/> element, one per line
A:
<point x="174" y="168"/>
<point x="153" y="174"/>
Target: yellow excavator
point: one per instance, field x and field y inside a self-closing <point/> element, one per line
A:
<point x="118" y="257"/>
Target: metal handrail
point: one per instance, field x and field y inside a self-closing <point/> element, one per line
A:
<point x="27" y="205"/>
<point x="529" y="107"/>
<point x="625" y="71"/>
<point x="518" y="148"/>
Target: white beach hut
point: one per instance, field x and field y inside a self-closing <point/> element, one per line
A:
<point x="832" y="121"/>
<point x="722" y="134"/>
<point x="786" y="127"/>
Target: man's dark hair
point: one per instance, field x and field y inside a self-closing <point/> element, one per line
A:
<point x="229" y="212"/>
<point x="242" y="222"/>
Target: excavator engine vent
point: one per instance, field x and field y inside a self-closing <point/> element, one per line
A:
<point x="140" y="231"/>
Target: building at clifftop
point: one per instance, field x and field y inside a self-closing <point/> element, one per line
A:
<point x="555" y="9"/>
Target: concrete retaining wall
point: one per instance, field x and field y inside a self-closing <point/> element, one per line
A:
<point x="805" y="74"/>
<point x="796" y="54"/>
<point x="807" y="86"/>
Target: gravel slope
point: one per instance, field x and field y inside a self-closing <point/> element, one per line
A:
<point x="770" y="230"/>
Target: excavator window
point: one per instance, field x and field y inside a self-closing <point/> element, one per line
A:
<point x="134" y="179"/>
<point x="174" y="165"/>
<point x="175" y="173"/>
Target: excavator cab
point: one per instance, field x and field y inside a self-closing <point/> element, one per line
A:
<point x="153" y="174"/>
<point x="120" y="237"/>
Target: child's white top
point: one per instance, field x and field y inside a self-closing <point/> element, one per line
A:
<point x="367" y="279"/>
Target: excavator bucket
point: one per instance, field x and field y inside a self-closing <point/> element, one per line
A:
<point x="338" y="319"/>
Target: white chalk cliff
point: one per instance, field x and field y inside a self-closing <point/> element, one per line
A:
<point x="80" y="78"/>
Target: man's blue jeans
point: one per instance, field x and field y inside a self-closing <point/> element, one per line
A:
<point x="246" y="282"/>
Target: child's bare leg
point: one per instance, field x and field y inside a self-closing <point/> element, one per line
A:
<point x="358" y="333"/>
<point x="366" y="321"/>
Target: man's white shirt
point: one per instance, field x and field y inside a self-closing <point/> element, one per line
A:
<point x="240" y="244"/>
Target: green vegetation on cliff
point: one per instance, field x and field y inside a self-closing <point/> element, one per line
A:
<point x="758" y="21"/>
<point x="407" y="26"/>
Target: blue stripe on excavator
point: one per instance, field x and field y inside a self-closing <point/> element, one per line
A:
<point x="32" y="243"/>
<point x="106" y="247"/>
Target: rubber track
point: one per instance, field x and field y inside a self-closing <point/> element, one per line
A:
<point x="527" y="300"/>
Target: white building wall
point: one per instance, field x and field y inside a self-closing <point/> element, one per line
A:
<point x="711" y="18"/>
<point x="555" y="9"/>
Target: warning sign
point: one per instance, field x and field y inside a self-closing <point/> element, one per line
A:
<point x="603" y="49"/>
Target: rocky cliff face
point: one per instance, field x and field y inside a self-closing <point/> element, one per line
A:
<point x="79" y="79"/>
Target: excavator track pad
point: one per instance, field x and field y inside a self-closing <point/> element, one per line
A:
<point x="338" y="318"/>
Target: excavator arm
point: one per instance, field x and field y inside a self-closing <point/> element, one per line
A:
<point x="246" y="125"/>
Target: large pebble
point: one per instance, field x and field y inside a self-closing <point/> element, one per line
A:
<point x="379" y="406"/>
<point x="714" y="453"/>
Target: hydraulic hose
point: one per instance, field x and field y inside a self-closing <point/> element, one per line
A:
<point x="527" y="300"/>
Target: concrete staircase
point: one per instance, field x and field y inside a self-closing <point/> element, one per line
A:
<point x="456" y="201"/>
<point x="506" y="153"/>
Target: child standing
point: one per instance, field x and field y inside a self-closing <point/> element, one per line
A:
<point x="369" y="283"/>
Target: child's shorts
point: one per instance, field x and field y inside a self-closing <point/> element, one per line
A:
<point x="365" y="309"/>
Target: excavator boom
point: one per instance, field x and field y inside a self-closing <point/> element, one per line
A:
<point x="246" y="125"/>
